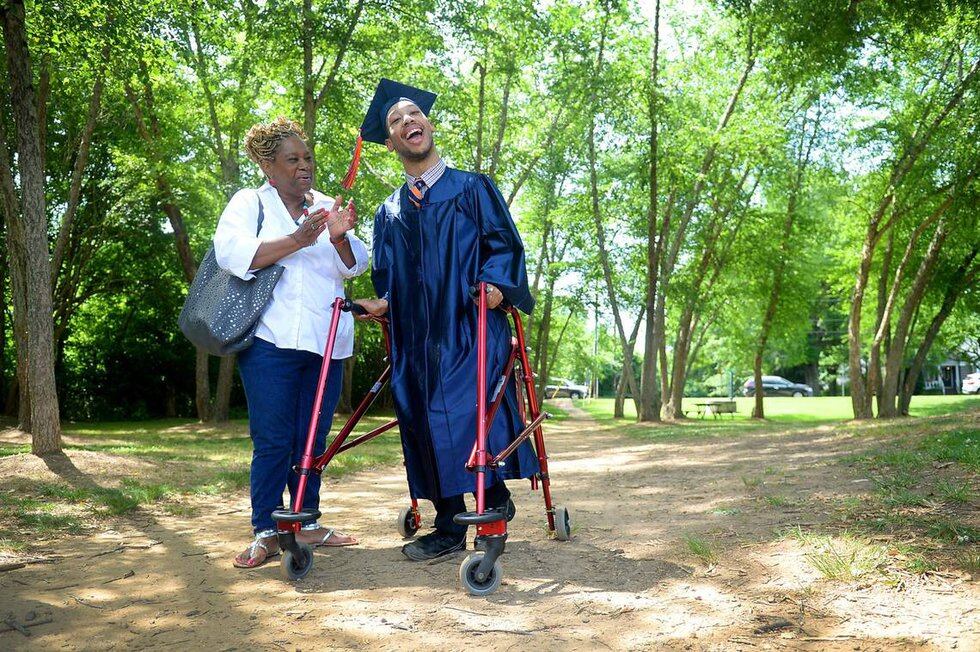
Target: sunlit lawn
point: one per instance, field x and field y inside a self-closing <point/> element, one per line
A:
<point x="918" y="482"/>
<point x="183" y="459"/>
<point x="794" y="410"/>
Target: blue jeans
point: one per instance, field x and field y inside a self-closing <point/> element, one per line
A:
<point x="280" y="386"/>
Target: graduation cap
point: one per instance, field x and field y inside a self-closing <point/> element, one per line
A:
<point x="374" y="129"/>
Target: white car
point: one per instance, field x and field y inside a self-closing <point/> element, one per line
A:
<point x="971" y="384"/>
<point x="562" y="388"/>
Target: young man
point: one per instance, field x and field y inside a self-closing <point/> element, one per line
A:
<point x="441" y="232"/>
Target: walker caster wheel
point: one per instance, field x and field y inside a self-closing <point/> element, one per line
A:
<point x="296" y="567"/>
<point x="563" y="524"/>
<point x="406" y="523"/>
<point x="468" y="580"/>
<point x="511" y="510"/>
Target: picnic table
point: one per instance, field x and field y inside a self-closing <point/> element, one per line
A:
<point x="715" y="407"/>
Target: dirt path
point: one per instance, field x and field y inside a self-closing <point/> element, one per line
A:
<point x="625" y="581"/>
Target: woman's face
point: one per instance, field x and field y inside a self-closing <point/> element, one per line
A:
<point x="292" y="168"/>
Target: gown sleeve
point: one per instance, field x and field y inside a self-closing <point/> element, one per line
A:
<point x="379" y="257"/>
<point x="501" y="249"/>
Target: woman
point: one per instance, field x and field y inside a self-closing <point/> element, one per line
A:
<point x="311" y="237"/>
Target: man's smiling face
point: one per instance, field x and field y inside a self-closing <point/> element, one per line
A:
<point x="409" y="131"/>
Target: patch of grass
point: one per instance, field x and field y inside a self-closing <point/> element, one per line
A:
<point x="899" y="460"/>
<point x="901" y="497"/>
<point x="960" y="445"/>
<point x="700" y="548"/>
<point x="100" y="500"/>
<point x="779" y="501"/>
<point x="224" y="481"/>
<point x="10" y="546"/>
<point x="44" y="524"/>
<point x="919" y="564"/>
<point x="842" y="558"/>
<point x="780" y="409"/>
<point x="954" y="492"/>
<point x="181" y="509"/>
<point x="969" y="561"/>
<point x="12" y="449"/>
<point x="952" y="531"/>
<point x="557" y="413"/>
<point x="751" y="482"/>
<point x="851" y="506"/>
<point x="726" y="511"/>
<point x="182" y="459"/>
<point x="61" y="492"/>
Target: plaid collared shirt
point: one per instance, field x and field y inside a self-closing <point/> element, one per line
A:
<point x="430" y="176"/>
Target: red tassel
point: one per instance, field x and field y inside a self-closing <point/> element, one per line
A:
<point x="348" y="181"/>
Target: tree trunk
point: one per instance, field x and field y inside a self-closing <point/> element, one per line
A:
<point x="860" y="401"/>
<point x="649" y="379"/>
<point x="802" y="160"/>
<point x="544" y="327"/>
<point x="860" y="396"/>
<point x="345" y="405"/>
<point x="623" y="385"/>
<point x="542" y="362"/>
<point x="45" y="424"/>
<point x="502" y="125"/>
<point x="661" y="339"/>
<point x="480" y="108"/>
<point x="18" y="397"/>
<point x="673" y="406"/>
<point x="619" y="405"/>
<point x="202" y="385"/>
<point x="964" y="278"/>
<point x="78" y="170"/>
<point x="149" y="131"/>
<point x="672" y="394"/>
<point x="548" y="356"/>
<point x="3" y="314"/>
<point x="309" y="99"/>
<point x="601" y="235"/>
<point x="896" y="352"/>
<point x="882" y="321"/>
<point x="222" y="394"/>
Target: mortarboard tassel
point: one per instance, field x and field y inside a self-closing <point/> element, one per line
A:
<point x="348" y="181"/>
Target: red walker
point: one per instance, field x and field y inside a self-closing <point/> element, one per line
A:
<point x="480" y="573"/>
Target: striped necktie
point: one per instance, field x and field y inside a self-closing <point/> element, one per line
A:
<point x="417" y="192"/>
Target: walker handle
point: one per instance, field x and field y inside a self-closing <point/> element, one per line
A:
<point x="474" y="292"/>
<point x="356" y="308"/>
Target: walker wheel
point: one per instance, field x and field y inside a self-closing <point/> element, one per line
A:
<point x="406" y="523"/>
<point x="511" y="510"/>
<point x="563" y="524"/>
<point x="296" y="567"/>
<point x="468" y="580"/>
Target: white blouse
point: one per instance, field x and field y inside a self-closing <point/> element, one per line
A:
<point x="298" y="315"/>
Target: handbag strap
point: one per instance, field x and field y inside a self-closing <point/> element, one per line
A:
<point x="261" y="215"/>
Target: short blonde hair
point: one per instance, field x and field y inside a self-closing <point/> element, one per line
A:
<point x="263" y="140"/>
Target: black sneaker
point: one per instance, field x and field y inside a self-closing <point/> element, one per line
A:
<point x="432" y="545"/>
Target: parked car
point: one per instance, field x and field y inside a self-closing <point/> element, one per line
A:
<point x="971" y="383"/>
<point x="565" y="388"/>
<point x="777" y="386"/>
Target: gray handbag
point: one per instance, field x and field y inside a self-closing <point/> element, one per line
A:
<point x="222" y="311"/>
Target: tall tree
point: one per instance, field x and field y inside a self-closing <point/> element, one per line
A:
<point x="29" y="229"/>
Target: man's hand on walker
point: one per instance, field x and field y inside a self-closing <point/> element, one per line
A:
<point x="494" y="297"/>
<point x="375" y="307"/>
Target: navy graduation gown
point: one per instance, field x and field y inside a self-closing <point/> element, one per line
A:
<point x="425" y="260"/>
